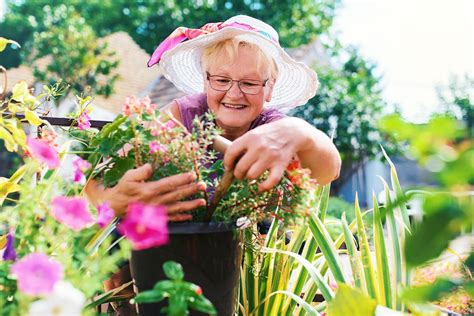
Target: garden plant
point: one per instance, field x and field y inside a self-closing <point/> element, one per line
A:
<point x="53" y="238"/>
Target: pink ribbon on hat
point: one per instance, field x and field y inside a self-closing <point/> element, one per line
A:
<point x="183" y="33"/>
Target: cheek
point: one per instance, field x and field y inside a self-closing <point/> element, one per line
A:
<point x="213" y="99"/>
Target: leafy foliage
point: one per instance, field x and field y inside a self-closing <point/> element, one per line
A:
<point x="181" y="295"/>
<point x="443" y="146"/>
<point x="76" y="56"/>
<point x="151" y="21"/>
<point x="458" y="100"/>
<point x="349" y="104"/>
<point x="164" y="143"/>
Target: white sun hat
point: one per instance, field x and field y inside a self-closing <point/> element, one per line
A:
<point x="179" y="57"/>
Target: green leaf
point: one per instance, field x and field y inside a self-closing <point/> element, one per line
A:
<point x="431" y="292"/>
<point x="202" y="304"/>
<point x="113" y="175"/>
<point x="432" y="236"/>
<point x="313" y="272"/>
<point x="32" y="118"/>
<point x="383" y="275"/>
<point x="149" y="297"/>
<point x="173" y="270"/>
<point x="307" y="307"/>
<point x="351" y="302"/>
<point x="327" y="247"/>
<point x="9" y="141"/>
<point x="366" y="255"/>
<point x="354" y="256"/>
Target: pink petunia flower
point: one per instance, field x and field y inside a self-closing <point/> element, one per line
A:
<point x="73" y="212"/>
<point x="37" y="274"/>
<point x="145" y="226"/>
<point x="105" y="214"/>
<point x="83" y="121"/>
<point x="43" y="152"/>
<point x="156" y="147"/>
<point x="80" y="165"/>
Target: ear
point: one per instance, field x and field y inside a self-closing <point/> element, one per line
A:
<point x="269" y="90"/>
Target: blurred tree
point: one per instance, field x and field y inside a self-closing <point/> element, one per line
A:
<point x="150" y="21"/>
<point x="75" y="55"/>
<point x="349" y="104"/>
<point x="458" y="100"/>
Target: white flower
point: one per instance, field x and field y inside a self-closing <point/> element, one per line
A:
<point x="64" y="301"/>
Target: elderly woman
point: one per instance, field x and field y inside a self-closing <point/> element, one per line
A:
<point x="237" y="70"/>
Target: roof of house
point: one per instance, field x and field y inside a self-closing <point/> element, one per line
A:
<point x="135" y="77"/>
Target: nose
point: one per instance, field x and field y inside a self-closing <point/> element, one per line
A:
<point x="234" y="90"/>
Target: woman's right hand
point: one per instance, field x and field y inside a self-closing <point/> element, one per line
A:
<point x="132" y="187"/>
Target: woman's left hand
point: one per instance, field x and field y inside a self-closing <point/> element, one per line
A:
<point x="272" y="147"/>
<point x="267" y="147"/>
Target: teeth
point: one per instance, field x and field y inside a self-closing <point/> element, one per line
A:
<point x="234" y="106"/>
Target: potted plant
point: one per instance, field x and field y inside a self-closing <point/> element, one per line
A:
<point x="208" y="247"/>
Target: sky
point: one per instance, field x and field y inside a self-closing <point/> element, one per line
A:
<point x="417" y="44"/>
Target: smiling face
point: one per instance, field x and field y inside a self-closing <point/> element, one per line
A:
<point x="234" y="109"/>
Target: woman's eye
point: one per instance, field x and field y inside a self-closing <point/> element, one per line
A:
<point x="223" y="81"/>
<point x="249" y="83"/>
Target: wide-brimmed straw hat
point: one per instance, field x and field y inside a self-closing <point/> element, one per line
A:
<point x="179" y="57"/>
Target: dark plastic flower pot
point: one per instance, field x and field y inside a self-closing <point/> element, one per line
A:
<point x="211" y="256"/>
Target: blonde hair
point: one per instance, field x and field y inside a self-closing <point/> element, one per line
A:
<point x="229" y="48"/>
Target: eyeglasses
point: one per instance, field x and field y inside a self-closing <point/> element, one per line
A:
<point x="247" y="86"/>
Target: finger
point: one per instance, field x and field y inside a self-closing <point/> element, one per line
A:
<point x="180" y="217"/>
<point x="244" y="164"/>
<point x="233" y="152"/>
<point x="171" y="183"/>
<point x="257" y="169"/>
<point x="139" y="174"/>
<point x="181" y="193"/>
<point x="185" y="206"/>
<point x="276" y="173"/>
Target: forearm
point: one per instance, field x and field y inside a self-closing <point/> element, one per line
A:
<point x="316" y="151"/>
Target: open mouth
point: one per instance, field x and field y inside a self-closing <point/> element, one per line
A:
<point x="234" y="106"/>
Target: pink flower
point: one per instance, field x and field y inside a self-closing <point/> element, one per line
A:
<point x="138" y="106"/>
<point x="129" y="106"/>
<point x="83" y="120"/>
<point x="37" y="274"/>
<point x="145" y="225"/>
<point x="146" y="105"/>
<point x="105" y="214"/>
<point x="72" y="212"/>
<point x="43" y="152"/>
<point x="168" y="126"/>
<point x="80" y="165"/>
<point x="156" y="147"/>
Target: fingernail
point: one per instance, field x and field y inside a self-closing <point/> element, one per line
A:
<point x="192" y="176"/>
<point x="202" y="202"/>
<point x="202" y="186"/>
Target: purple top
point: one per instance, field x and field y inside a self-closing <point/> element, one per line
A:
<point x="194" y="105"/>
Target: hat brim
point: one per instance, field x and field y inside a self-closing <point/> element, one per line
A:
<point x="295" y="85"/>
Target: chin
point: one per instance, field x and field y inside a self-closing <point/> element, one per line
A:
<point x="233" y="123"/>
